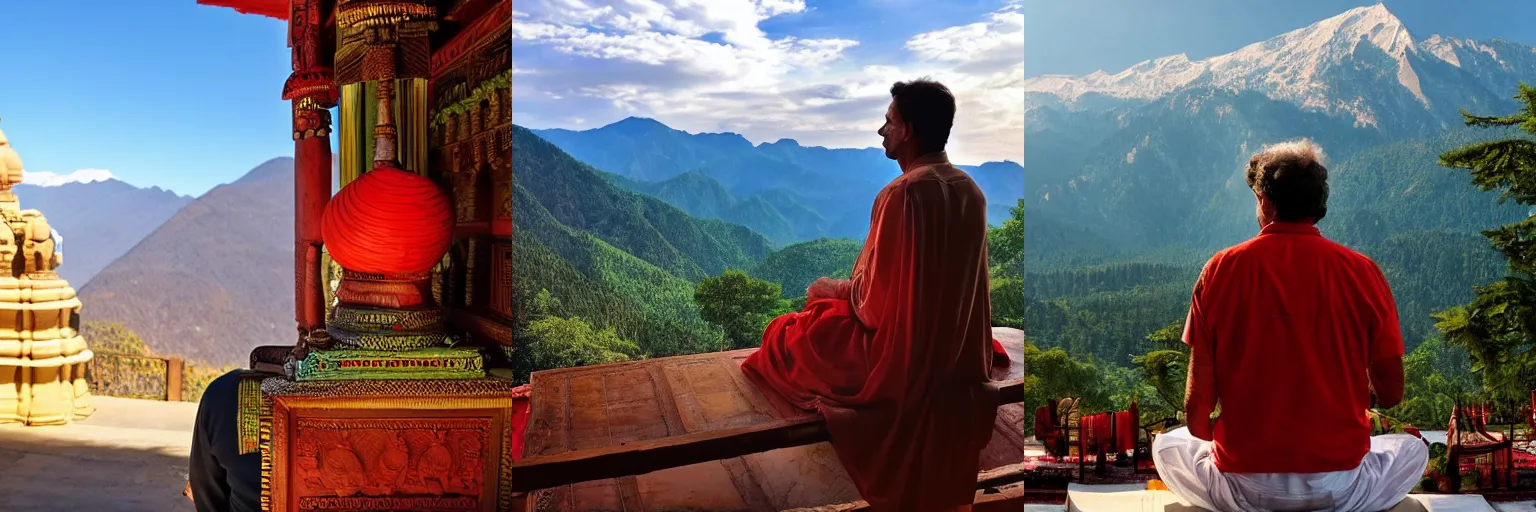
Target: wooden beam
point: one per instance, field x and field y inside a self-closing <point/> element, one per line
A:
<point x="1009" y="391"/>
<point x="1006" y="499"/>
<point x="1009" y="498"/>
<point x="668" y="452"/>
<point x="468" y="39"/>
<point x="173" y="371"/>
<point x="543" y="472"/>
<point x="998" y="477"/>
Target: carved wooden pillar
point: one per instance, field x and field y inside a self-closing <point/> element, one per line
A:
<point x="313" y="91"/>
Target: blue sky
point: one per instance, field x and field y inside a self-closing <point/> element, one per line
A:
<point x="161" y="93"/>
<point x="815" y="71"/>
<point x="1078" y="37"/>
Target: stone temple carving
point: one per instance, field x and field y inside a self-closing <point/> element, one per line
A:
<point x="42" y="356"/>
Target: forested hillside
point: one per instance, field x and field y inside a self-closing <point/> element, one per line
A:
<point x="794" y="268"/>
<point x="608" y="269"/>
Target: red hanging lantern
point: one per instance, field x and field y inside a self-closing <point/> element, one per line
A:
<point x="388" y="221"/>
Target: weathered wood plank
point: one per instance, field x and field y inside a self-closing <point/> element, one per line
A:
<point x="1009" y="391"/>
<point x="1005" y="475"/>
<point x="600" y="423"/>
<point x="646" y="456"/>
<point x="1006" y="499"/>
<point x="1009" y="498"/>
<point x="624" y="437"/>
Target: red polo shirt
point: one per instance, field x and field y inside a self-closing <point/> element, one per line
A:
<point x="1294" y="321"/>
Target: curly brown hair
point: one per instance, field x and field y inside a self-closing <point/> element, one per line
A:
<point x="1292" y="176"/>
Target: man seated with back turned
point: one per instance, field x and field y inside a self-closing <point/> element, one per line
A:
<point x="897" y="357"/>
<point x="1289" y="334"/>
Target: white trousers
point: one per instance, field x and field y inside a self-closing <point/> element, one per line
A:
<point x="1388" y="472"/>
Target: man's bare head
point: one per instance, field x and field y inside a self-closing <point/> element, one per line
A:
<point x="918" y="120"/>
<point x="1290" y="181"/>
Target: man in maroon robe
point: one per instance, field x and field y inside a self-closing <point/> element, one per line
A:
<point x="896" y="358"/>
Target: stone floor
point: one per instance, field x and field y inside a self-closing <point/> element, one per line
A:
<point x="131" y="455"/>
<point x="1134" y="497"/>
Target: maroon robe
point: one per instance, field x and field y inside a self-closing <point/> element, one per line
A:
<point x="899" y="368"/>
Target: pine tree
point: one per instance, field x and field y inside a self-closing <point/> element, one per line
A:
<point x="1498" y="328"/>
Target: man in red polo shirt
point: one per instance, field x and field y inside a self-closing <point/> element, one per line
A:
<point x="1290" y="335"/>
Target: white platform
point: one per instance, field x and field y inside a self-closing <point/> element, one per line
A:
<point x="1134" y="497"/>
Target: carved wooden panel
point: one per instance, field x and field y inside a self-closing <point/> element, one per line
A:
<point x="464" y="196"/>
<point x="391" y="445"/>
<point x="472" y="271"/>
<point x="501" y="280"/>
<point x="503" y="192"/>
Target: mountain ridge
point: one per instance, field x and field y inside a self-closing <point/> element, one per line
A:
<point x="788" y="191"/>
<point x="215" y="279"/>
<point x="99" y="220"/>
<point x="1303" y="66"/>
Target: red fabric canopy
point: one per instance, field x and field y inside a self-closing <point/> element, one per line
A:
<point x="271" y="8"/>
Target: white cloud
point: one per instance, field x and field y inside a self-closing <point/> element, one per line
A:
<point x="1000" y="38"/>
<point x="49" y="179"/>
<point x="708" y="67"/>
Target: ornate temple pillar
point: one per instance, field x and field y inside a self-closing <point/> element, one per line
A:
<point x="313" y="91"/>
<point x="370" y="35"/>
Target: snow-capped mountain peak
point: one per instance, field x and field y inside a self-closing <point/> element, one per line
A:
<point x="1288" y="66"/>
<point x="1316" y="67"/>
<point x="49" y="179"/>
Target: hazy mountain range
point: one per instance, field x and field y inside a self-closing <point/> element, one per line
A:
<point x="100" y="220"/>
<point x="215" y="279"/>
<point x="786" y="191"/>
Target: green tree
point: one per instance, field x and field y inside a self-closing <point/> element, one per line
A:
<point x="1436" y="374"/>
<point x="556" y="342"/>
<point x="1009" y="306"/>
<point x="1054" y="374"/>
<point x="1498" y="328"/>
<point x="544" y="305"/>
<point x="1005" y="255"/>
<point x="112" y="338"/>
<point x="1166" y="368"/>
<point x="1005" y="244"/>
<point x="740" y="304"/>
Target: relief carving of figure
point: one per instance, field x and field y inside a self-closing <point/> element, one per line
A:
<point x="38" y="245"/>
<point x="8" y="251"/>
<point x="341" y="471"/>
<point x="385" y="462"/>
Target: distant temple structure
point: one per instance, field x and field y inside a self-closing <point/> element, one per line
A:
<point x="42" y="356"/>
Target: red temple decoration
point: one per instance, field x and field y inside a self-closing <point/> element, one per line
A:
<point x="384" y="400"/>
<point x="389" y="222"/>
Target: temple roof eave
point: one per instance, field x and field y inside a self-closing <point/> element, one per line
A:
<point x="270" y="8"/>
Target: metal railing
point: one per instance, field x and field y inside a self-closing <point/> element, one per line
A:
<point x="135" y="376"/>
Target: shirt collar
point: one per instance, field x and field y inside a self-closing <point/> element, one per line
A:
<point x="1290" y="228"/>
<point x="939" y="157"/>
